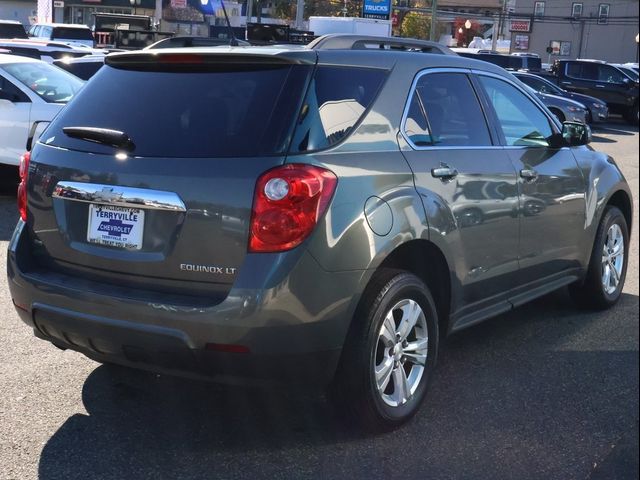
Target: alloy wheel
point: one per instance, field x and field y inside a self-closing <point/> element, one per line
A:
<point x="612" y="259"/>
<point x="401" y="352"/>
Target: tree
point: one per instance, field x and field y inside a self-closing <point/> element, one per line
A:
<point x="416" y="25"/>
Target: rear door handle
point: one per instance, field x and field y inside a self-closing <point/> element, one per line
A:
<point x="528" y="174"/>
<point x="600" y="86"/>
<point x="566" y="83"/>
<point x="444" y="172"/>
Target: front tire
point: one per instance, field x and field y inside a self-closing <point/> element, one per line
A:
<point x="602" y="286"/>
<point x="632" y="115"/>
<point x="389" y="355"/>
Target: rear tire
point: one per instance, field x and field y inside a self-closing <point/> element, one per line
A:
<point x="602" y="286"/>
<point x="389" y="355"/>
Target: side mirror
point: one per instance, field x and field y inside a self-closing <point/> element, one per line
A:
<point x="576" y="134"/>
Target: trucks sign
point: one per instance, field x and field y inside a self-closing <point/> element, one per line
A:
<point x="380" y="9"/>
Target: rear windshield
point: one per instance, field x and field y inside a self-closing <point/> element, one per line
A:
<point x="12" y="30"/>
<point x="72" y="33"/>
<point x="237" y="111"/>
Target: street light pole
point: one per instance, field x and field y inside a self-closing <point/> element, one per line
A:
<point x="434" y="19"/>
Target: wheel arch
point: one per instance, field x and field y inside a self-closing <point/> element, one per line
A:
<point x="621" y="200"/>
<point x="426" y="261"/>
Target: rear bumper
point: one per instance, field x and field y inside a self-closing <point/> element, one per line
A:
<point x="290" y="319"/>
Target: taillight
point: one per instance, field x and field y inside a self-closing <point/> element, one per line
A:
<point x="287" y="204"/>
<point x="22" y="187"/>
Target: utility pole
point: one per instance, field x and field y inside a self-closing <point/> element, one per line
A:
<point x="249" y="11"/>
<point x="300" y="15"/>
<point x="434" y="19"/>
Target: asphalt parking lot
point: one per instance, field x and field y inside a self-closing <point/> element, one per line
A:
<point x="544" y="392"/>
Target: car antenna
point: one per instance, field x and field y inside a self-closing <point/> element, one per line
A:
<point x="234" y="41"/>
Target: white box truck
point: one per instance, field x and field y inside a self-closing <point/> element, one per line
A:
<point x="360" y="26"/>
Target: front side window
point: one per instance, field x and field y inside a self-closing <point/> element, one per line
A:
<point x="522" y="122"/>
<point x="51" y="84"/>
<point x="603" y="13"/>
<point x="538" y="10"/>
<point x="444" y="111"/>
<point x="609" y="74"/>
<point x="337" y="99"/>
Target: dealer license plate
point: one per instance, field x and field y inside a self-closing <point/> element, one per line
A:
<point x="114" y="226"/>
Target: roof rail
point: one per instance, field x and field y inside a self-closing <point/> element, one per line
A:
<point x="340" y="41"/>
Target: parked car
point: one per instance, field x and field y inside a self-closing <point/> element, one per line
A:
<point x="563" y="108"/>
<point x="187" y="41"/>
<point x="289" y="214"/>
<point x="81" y="67"/>
<point x="30" y="91"/>
<point x="514" y="61"/>
<point x="633" y="66"/>
<point x="46" y="50"/>
<point x="597" y="110"/>
<point x="63" y="32"/>
<point x="12" y="29"/>
<point x="600" y="80"/>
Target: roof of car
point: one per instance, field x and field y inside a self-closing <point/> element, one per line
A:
<point x="7" y="58"/>
<point x="370" y="57"/>
<point x="13" y="22"/>
<point x="65" y="25"/>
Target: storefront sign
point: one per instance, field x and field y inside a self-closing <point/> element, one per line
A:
<point x="380" y="9"/>
<point x="58" y="4"/>
<point x="520" y="25"/>
<point x="521" y="42"/>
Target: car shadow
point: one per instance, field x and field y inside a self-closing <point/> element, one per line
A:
<point x="617" y="126"/>
<point x="8" y="210"/>
<point x="499" y="388"/>
<point x="599" y="139"/>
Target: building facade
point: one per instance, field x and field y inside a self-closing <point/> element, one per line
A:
<point x="596" y="29"/>
<point x="19" y="10"/>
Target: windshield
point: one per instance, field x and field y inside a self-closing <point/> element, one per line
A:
<point x="72" y="33"/>
<point x="12" y="30"/>
<point x="631" y="73"/>
<point x="50" y="83"/>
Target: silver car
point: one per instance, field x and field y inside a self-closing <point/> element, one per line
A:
<point x="563" y="108"/>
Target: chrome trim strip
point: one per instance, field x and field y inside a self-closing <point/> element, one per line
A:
<point x="120" y="196"/>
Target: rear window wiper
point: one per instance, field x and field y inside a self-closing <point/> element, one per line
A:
<point x="104" y="136"/>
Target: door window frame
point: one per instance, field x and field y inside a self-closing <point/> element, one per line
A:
<point x="494" y="135"/>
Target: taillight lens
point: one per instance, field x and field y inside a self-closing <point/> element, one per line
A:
<point x="287" y="204"/>
<point x="22" y="187"/>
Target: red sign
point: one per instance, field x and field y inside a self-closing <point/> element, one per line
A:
<point x="394" y="19"/>
<point x="179" y="3"/>
<point x="522" y="25"/>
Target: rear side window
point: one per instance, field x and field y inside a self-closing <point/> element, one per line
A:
<point x="522" y="122"/>
<point x="72" y="33"/>
<point x="584" y="71"/>
<point x="444" y="111"/>
<point x="48" y="82"/>
<point x="223" y="111"/>
<point x="8" y="91"/>
<point x="337" y="99"/>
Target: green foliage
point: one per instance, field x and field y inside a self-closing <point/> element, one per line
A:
<point x="416" y="25"/>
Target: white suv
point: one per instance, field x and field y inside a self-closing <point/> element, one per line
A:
<point x="63" y="32"/>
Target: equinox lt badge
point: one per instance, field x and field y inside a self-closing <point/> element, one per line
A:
<point x="189" y="267"/>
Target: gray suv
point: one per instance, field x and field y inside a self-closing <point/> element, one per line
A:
<point x="319" y="216"/>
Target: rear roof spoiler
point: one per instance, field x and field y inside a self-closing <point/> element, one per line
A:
<point x="203" y="57"/>
<point x="341" y="41"/>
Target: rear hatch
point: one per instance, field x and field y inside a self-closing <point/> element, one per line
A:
<point x="146" y="179"/>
